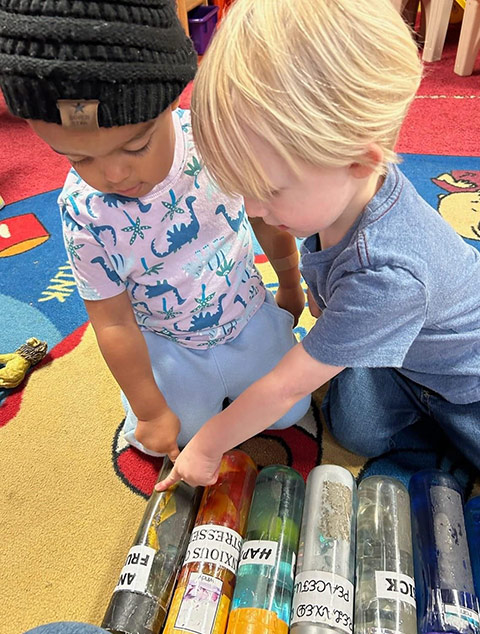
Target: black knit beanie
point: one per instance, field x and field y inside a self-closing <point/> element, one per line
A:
<point x="129" y="58"/>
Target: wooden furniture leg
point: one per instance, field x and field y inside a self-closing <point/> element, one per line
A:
<point x="437" y="15"/>
<point x="469" y="42"/>
<point x="182" y="14"/>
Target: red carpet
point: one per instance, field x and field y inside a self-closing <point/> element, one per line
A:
<point x="444" y="119"/>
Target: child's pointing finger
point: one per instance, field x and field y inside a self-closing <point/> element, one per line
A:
<point x="169" y="481"/>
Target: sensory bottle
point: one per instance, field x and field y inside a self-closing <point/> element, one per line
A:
<point x="472" y="523"/>
<point x="445" y="592"/>
<point x="385" y="586"/>
<point x="323" y="592"/>
<point x="141" y="597"/>
<point x="263" y="593"/>
<point x="205" y="587"/>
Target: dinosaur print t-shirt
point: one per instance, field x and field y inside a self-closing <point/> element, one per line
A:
<point x="183" y="252"/>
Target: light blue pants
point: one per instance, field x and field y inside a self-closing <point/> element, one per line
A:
<point x="67" y="627"/>
<point x="196" y="382"/>
<point x="367" y="408"/>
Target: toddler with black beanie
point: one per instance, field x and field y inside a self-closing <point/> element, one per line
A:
<point x="162" y="258"/>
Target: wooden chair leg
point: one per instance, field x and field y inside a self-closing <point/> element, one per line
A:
<point x="182" y="15"/>
<point x="469" y="42"/>
<point x="437" y="15"/>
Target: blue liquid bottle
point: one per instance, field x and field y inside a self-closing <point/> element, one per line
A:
<point x="445" y="593"/>
<point x="472" y="524"/>
<point x="263" y="593"/>
<point x="323" y="592"/>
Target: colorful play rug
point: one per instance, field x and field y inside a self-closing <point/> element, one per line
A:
<point x="72" y="494"/>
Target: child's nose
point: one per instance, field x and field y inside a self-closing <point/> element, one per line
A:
<point x="116" y="172"/>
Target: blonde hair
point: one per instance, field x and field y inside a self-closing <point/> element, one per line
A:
<point x="317" y="80"/>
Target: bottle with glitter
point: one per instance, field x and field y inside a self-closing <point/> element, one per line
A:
<point x="142" y="595"/>
<point x="324" y="593"/>
<point x="472" y="524"/>
<point x="205" y="587"/>
<point x="445" y="591"/>
<point x="385" y="587"/>
<point x="263" y="594"/>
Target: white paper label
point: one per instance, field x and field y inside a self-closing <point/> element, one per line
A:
<point x="199" y="605"/>
<point x="213" y="544"/>
<point x="323" y="597"/>
<point x="456" y="616"/>
<point x="135" y="572"/>
<point x="395" y="585"/>
<point x="259" y="551"/>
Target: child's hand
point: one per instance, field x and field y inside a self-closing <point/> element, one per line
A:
<point x="160" y="433"/>
<point x="193" y="467"/>
<point x="291" y="298"/>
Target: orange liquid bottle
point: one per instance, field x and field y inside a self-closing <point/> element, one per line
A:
<point x="205" y="586"/>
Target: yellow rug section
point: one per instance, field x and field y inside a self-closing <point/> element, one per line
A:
<point x="67" y="520"/>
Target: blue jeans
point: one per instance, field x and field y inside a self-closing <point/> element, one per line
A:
<point x="366" y="409"/>
<point x="67" y="628"/>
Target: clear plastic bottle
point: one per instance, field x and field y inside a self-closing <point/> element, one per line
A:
<point x="324" y="592"/>
<point x="472" y="524"/>
<point x="205" y="587"/>
<point x="141" y="598"/>
<point x="385" y="586"/>
<point x="263" y="593"/>
<point x="445" y="593"/>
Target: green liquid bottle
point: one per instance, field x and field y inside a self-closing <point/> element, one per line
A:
<point x="263" y="593"/>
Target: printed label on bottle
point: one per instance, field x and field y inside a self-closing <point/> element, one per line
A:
<point x="135" y="572"/>
<point x="323" y="597"/>
<point x="456" y="616"/>
<point x="395" y="585"/>
<point x="259" y="551"/>
<point x="200" y="603"/>
<point x="212" y="544"/>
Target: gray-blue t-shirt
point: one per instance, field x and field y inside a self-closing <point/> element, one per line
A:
<point x="400" y="290"/>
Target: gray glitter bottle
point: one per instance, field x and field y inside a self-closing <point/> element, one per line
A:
<point x="323" y="592"/>
<point x="385" y="591"/>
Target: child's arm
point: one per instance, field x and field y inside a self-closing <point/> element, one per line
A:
<point x="258" y="407"/>
<point x="126" y="354"/>
<point x="281" y="250"/>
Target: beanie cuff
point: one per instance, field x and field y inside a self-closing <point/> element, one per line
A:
<point x="119" y="104"/>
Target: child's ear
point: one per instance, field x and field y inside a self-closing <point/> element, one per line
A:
<point x="371" y="159"/>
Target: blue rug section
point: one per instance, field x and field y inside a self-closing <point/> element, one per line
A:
<point x="38" y="297"/>
<point x="421" y="169"/>
<point x="37" y="293"/>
